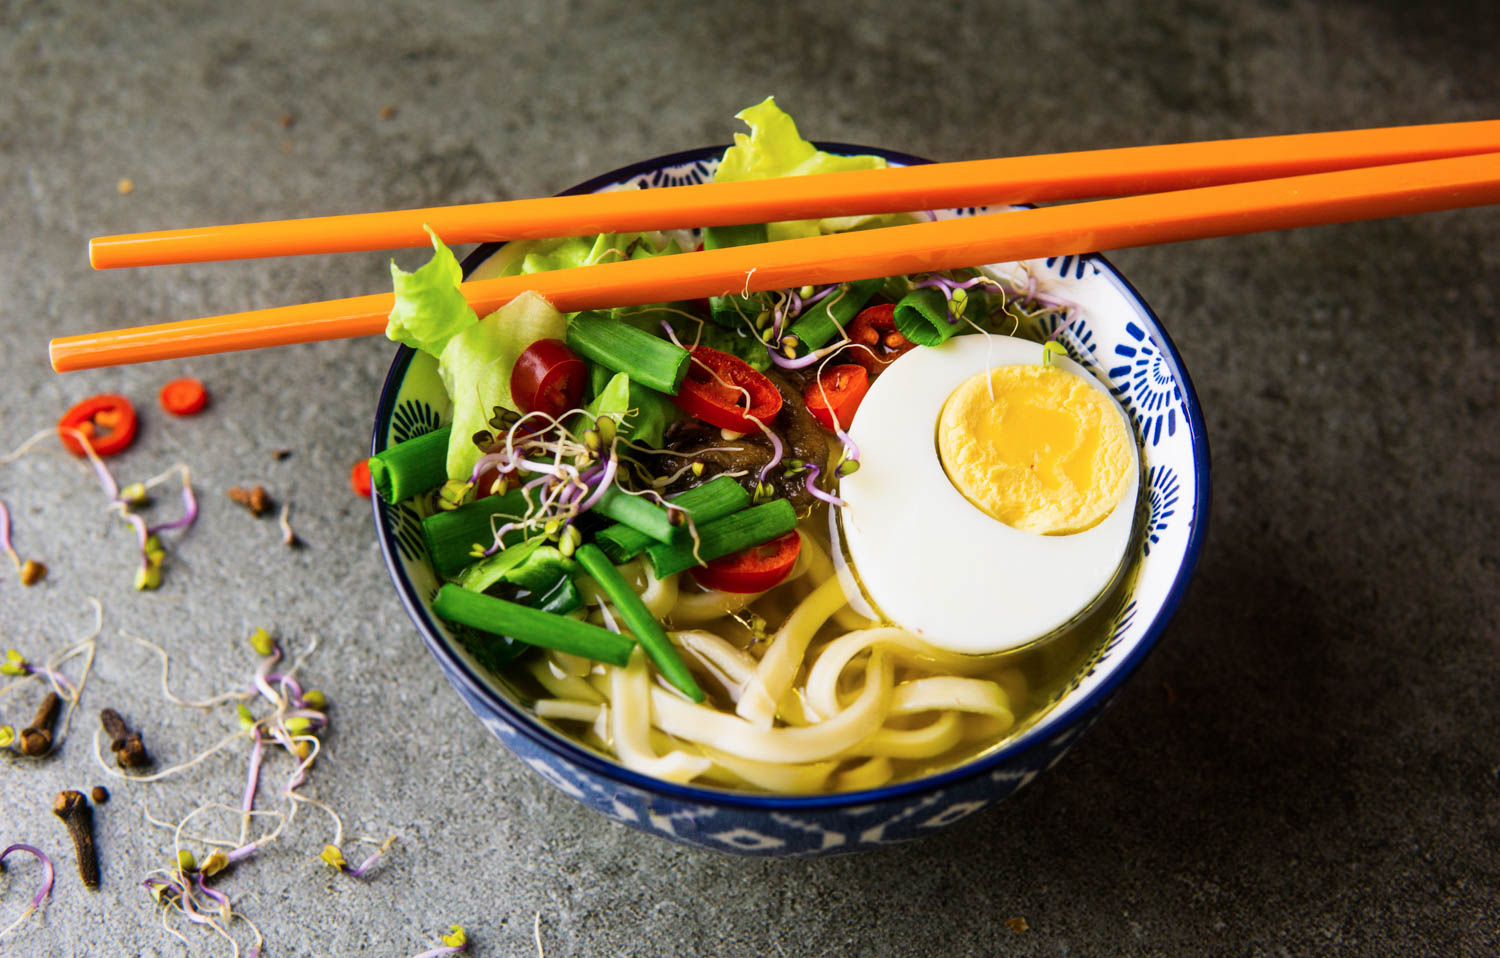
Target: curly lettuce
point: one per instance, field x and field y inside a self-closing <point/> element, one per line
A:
<point x="773" y="147"/>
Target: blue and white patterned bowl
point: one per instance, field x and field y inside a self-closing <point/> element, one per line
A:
<point x="1119" y="339"/>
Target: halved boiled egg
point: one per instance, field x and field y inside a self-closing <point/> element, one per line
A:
<point x="996" y="494"/>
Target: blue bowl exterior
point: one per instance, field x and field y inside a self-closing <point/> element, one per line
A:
<point x="813" y="825"/>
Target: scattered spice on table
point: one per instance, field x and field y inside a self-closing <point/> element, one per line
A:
<point x="256" y="499"/>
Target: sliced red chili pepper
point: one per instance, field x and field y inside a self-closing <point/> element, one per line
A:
<point x="755" y="569"/>
<point x="876" y="341"/>
<point x="716" y="390"/>
<point x="183" y="397"/>
<point x="548" y="377"/>
<point x="106" y="421"/>
<point x="359" y="478"/>
<point x="836" y="395"/>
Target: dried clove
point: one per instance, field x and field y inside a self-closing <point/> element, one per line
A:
<point x="129" y="751"/>
<point x="36" y="738"/>
<point x="74" y="811"/>
<point x="256" y="499"/>
<point x="99" y="794"/>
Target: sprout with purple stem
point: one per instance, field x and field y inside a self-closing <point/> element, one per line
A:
<point x="41" y="894"/>
<point x="17" y="664"/>
<point x="812" y="486"/>
<point x="453" y="943"/>
<point x="333" y="857"/>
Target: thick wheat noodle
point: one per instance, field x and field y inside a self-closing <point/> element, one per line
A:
<point x="925" y="742"/>
<point x="775" y="776"/>
<point x="821" y="568"/>
<point x="568" y="710"/>
<point x="823" y="676"/>
<point x="871" y="773"/>
<point x="778" y="667"/>
<point x="732" y="667"/>
<point x="728" y="733"/>
<point x="700" y="608"/>
<point x="562" y="686"/>
<point x="565" y="664"/>
<point x="658" y="595"/>
<point x="631" y="701"/>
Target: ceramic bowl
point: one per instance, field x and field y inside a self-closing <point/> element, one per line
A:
<point x="1119" y="339"/>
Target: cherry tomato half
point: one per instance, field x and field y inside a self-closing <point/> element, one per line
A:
<point x="548" y="378"/>
<point x="106" y="421"/>
<point x="183" y="397"/>
<point x="836" y="395"/>
<point x="755" y="569"/>
<point x="716" y="387"/>
<point x="876" y="343"/>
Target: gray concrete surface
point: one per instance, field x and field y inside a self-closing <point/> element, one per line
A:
<point x="1308" y="764"/>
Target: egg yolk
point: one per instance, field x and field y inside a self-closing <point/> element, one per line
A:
<point x="1048" y="454"/>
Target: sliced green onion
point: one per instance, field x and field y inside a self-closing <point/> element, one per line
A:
<point x="532" y="626"/>
<point x="562" y="598"/>
<point x="638" y="513"/>
<point x="452" y="536"/>
<point x="827" y="317"/>
<point x="712" y="500"/>
<point x="642" y="624"/>
<point x="741" y="530"/>
<point x="479" y="576"/>
<point x="645" y="358"/>
<point x="922" y="317"/>
<point x="718" y="237"/>
<point x="411" y="467"/>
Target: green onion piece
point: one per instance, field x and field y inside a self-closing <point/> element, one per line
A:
<point x="451" y="536"/>
<point x="532" y="626"/>
<point x="736" y="309"/>
<point x="479" y="576"/>
<point x="712" y="500"/>
<point x="922" y="317"/>
<point x="718" y="237"/>
<point x="645" y="358"/>
<point x="642" y="624"/>
<point x="741" y="530"/>
<point x="562" y="598"/>
<point x="826" y="318"/>
<point x="638" y="513"/>
<point x="411" y="467"/>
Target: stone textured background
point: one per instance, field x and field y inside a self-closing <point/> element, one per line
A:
<point x="1308" y="764"/>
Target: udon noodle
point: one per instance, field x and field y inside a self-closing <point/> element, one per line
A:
<point x="826" y="701"/>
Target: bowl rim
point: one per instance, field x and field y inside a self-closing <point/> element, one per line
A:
<point x="1072" y="714"/>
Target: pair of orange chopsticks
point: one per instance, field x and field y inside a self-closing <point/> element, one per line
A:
<point x="1185" y="191"/>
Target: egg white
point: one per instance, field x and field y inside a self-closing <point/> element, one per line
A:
<point x="932" y="562"/>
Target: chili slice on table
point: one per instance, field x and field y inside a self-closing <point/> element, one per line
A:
<point x="548" y="377"/>
<point x="359" y="478"/>
<point x="755" y="569"/>
<point x="106" y="421"/>
<point x="725" y="391"/>
<point x="876" y="343"/>
<point x="836" y="394"/>
<point x="183" y="397"/>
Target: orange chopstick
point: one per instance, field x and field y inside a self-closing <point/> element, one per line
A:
<point x="1024" y="179"/>
<point x="1261" y="205"/>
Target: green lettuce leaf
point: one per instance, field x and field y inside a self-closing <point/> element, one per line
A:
<point x="646" y="412"/>
<point x="430" y="310"/>
<point x="476" y="365"/>
<point x="775" y="148"/>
